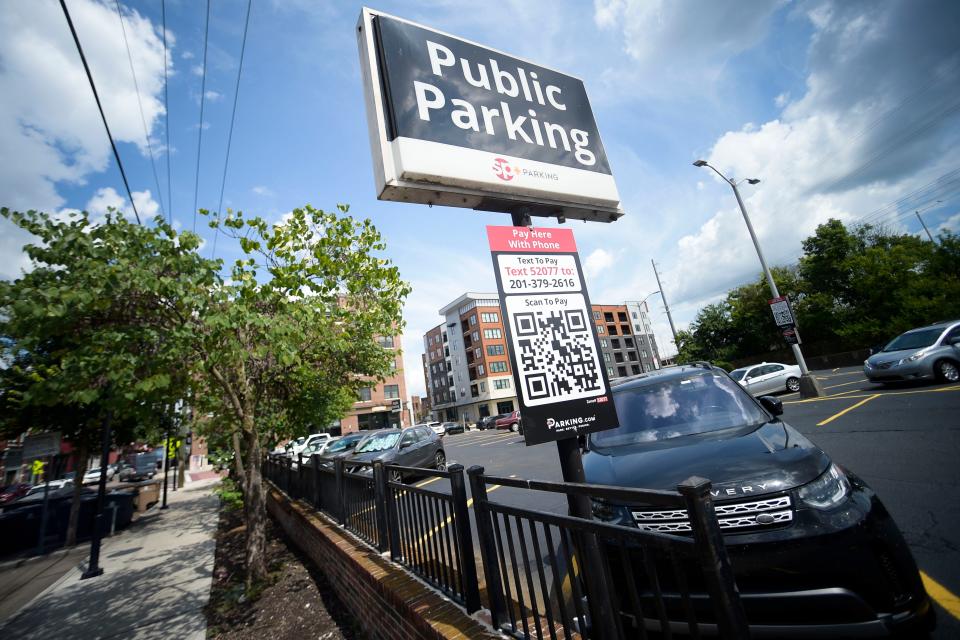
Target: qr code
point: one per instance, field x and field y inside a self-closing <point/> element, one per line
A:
<point x="555" y="349"/>
<point x="781" y="314"/>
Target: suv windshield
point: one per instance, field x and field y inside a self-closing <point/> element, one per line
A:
<point x="379" y="442"/>
<point x="700" y="402"/>
<point x="914" y="340"/>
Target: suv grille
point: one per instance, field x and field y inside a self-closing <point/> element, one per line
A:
<point x="885" y="365"/>
<point x="775" y="512"/>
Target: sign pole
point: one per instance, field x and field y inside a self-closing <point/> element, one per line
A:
<point x="166" y="469"/>
<point x="94" y="569"/>
<point x="603" y="618"/>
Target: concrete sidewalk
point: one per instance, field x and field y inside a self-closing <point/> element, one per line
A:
<point x="156" y="579"/>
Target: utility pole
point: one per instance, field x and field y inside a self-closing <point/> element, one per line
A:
<point x="666" y="306"/>
<point x="809" y="387"/>
<point x="924" y="225"/>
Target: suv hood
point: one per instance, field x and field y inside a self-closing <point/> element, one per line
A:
<point x="893" y="356"/>
<point x="769" y="459"/>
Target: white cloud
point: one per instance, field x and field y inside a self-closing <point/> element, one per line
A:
<point x="950" y="224"/>
<point x="781" y="100"/>
<point x="107" y="198"/>
<point x="211" y="95"/>
<point x="187" y="55"/>
<point x="599" y="260"/>
<point x="261" y="190"/>
<point x="196" y="70"/>
<point x="680" y="47"/>
<point x="50" y="130"/>
<point x="850" y="144"/>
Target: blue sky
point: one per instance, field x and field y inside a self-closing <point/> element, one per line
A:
<point x="842" y="109"/>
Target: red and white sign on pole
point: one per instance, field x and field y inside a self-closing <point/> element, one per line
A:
<point x="561" y="384"/>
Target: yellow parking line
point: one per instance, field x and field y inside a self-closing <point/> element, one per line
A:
<point x="841" y="396"/>
<point x="847" y="410"/>
<point x="443" y="524"/>
<point x="426" y="482"/>
<point x="846" y="384"/>
<point x="944" y="597"/>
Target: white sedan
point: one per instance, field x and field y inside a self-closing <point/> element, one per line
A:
<point x="768" y="377"/>
<point x="93" y="476"/>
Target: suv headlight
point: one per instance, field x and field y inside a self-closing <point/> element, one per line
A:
<point x="827" y="491"/>
<point x="605" y="511"/>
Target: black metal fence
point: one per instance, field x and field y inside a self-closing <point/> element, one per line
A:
<point x="546" y="574"/>
<point x="552" y="575"/>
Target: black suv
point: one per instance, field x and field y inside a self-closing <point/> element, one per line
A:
<point x="814" y="551"/>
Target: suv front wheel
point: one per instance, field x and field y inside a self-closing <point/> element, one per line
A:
<point x="947" y="371"/>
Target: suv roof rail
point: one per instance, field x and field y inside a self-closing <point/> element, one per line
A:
<point x="703" y="364"/>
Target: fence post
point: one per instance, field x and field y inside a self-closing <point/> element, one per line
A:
<point x="300" y="491"/>
<point x="315" y="498"/>
<point x="341" y="510"/>
<point x="721" y="584"/>
<point x="488" y="547"/>
<point x="458" y="491"/>
<point x="380" y="505"/>
<point x="393" y="520"/>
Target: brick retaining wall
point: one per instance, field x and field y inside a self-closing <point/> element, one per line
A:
<point x="386" y="601"/>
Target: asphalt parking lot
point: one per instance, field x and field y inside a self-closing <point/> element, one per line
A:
<point x="903" y="440"/>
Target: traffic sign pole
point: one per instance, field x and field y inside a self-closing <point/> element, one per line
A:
<point x="94" y="569"/>
<point x="166" y="469"/>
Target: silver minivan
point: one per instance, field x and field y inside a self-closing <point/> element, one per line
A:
<point x="928" y="352"/>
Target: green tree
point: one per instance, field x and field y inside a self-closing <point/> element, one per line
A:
<point x="284" y="345"/>
<point x="92" y="327"/>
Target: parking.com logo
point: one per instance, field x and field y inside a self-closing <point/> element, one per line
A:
<point x="503" y="170"/>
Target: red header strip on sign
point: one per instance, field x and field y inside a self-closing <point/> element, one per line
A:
<point x="531" y="239"/>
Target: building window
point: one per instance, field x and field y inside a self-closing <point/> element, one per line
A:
<point x="644" y="354"/>
<point x="628" y="343"/>
<point x="610" y="371"/>
<point x="480" y="370"/>
<point x="632" y="355"/>
<point x="483" y="387"/>
<point x="603" y="343"/>
<point x="477" y="353"/>
<point x="385" y="341"/>
<point x="473" y="389"/>
<point x="635" y="368"/>
<point x="498" y="366"/>
<point x="495" y="350"/>
<point x="636" y="329"/>
<point x="634" y="314"/>
<point x="615" y="342"/>
<point x="489" y="317"/>
<point x="621" y="316"/>
<point x="475" y="335"/>
<point x="618" y="357"/>
<point x="621" y="371"/>
<point x="492" y="334"/>
<point x="596" y="315"/>
<point x="600" y="329"/>
<point x="612" y="329"/>
<point x="607" y="316"/>
<point x="606" y="357"/>
<point x="503" y="383"/>
<point x="473" y="320"/>
<point x="364" y="394"/>
<point x="391" y="391"/>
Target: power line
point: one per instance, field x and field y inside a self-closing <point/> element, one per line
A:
<point x="233" y="116"/>
<point x="96" y="97"/>
<point x="947" y="181"/>
<point x="203" y="90"/>
<point x="166" y="110"/>
<point x="143" y="119"/>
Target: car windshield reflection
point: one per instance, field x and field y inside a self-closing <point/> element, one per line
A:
<point x="379" y="442"/>
<point x="914" y="340"/>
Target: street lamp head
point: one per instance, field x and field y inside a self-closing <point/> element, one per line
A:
<point x="700" y="163"/>
<point x="753" y="181"/>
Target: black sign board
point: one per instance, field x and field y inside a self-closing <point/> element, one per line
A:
<point x="790" y="335"/>
<point x="561" y="383"/>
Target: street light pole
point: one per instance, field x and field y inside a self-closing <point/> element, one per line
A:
<point x="809" y="387"/>
<point x="924" y="224"/>
<point x="666" y="306"/>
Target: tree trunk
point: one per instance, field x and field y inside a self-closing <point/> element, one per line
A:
<point x="238" y="462"/>
<point x="81" y="469"/>
<point x="255" y="511"/>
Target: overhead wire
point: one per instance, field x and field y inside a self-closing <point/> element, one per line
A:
<point x="233" y="116"/>
<point x="166" y="110"/>
<point x="96" y="96"/>
<point x="203" y="90"/>
<point x="143" y="119"/>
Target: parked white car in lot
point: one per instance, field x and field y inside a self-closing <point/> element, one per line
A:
<point x="768" y="377"/>
<point x="311" y="442"/>
<point x="93" y="475"/>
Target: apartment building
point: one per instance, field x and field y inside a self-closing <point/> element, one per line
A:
<point x="468" y="372"/>
<point x="467" y="366"/>
<point x="381" y="405"/>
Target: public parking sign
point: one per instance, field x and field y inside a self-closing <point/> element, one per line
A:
<point x="455" y="123"/>
<point x="562" y="386"/>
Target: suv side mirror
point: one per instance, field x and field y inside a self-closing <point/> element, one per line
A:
<point x="771" y="404"/>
